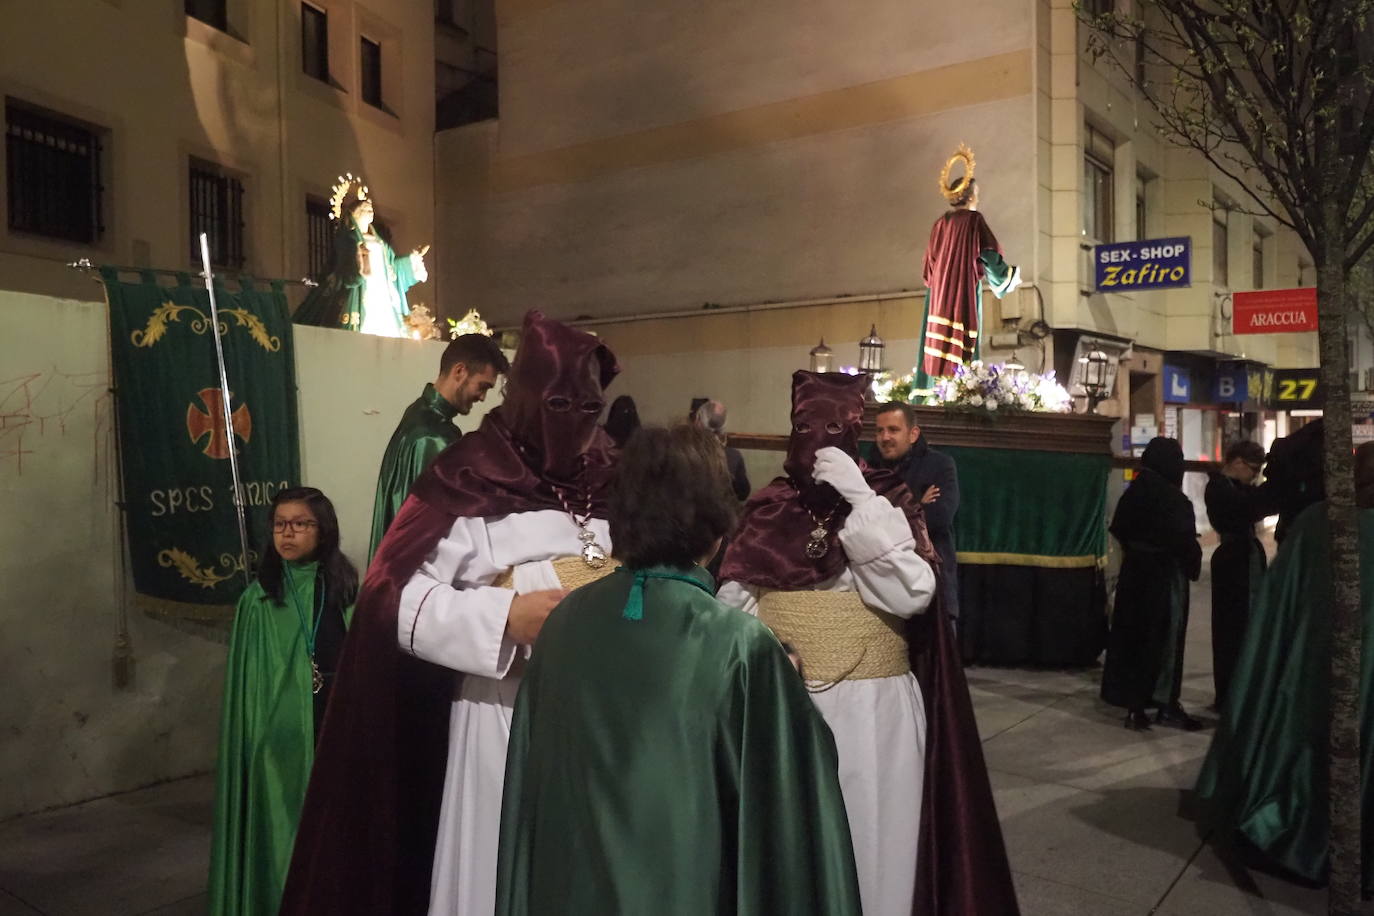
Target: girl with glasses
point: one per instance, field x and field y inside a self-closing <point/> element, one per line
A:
<point x="288" y="631"/>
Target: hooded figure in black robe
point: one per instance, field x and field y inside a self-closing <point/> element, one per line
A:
<point x="1158" y="534"/>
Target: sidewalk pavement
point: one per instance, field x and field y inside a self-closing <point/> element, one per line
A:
<point x="1090" y="811"/>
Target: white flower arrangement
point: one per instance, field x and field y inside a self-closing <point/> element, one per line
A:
<point x="985" y="387"/>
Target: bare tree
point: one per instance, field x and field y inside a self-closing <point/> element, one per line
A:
<point x="1276" y="94"/>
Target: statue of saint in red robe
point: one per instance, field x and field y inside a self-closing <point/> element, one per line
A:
<point x="962" y="251"/>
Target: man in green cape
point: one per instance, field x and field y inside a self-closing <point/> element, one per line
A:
<point x="467" y="371"/>
<point x="664" y="754"/>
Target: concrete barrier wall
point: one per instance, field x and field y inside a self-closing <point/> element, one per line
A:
<point x="67" y="733"/>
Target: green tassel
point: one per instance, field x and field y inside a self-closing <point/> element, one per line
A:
<point x="634" y="604"/>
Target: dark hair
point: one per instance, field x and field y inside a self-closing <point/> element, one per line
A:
<point x="672" y="497"/>
<point x="1245" y="450"/>
<point x="337" y="572"/>
<point x="476" y="352"/>
<point x="964" y="197"/>
<point x="906" y="410"/>
<point x="622" y="419"/>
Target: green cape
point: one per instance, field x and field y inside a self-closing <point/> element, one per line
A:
<point x="266" y="748"/>
<point x="425" y="430"/>
<point x="1265" y="775"/>
<point x="672" y="764"/>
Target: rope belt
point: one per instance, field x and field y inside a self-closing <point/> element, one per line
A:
<point x="571" y="571"/>
<point x="838" y="636"/>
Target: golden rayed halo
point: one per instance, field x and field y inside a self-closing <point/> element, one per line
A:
<point x="962" y="154"/>
<point x="346" y="184"/>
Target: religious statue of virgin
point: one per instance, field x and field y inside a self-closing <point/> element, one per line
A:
<point x="366" y="287"/>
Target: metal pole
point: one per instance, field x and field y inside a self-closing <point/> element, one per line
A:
<point x="228" y="413"/>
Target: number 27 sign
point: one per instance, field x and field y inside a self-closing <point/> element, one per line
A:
<point x="1298" y="388"/>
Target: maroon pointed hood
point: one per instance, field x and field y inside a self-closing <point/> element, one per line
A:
<point x="769" y="550"/>
<point x="543" y="440"/>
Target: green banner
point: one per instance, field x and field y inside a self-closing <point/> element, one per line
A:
<point x="173" y="439"/>
<point x="1029" y="508"/>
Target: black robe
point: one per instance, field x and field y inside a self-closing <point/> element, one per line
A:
<point x="1155" y="525"/>
<point x="1232" y="509"/>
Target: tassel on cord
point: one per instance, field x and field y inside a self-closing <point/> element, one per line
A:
<point x="634" y="604"/>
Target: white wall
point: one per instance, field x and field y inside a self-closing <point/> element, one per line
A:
<point x="68" y="733"/>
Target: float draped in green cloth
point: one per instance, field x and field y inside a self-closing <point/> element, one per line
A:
<point x="1265" y="775"/>
<point x="266" y="748"/>
<point x="688" y="774"/>
<point x="425" y="430"/>
<point x="1030" y="508"/>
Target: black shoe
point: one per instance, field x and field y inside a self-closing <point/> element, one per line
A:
<point x="1175" y="717"/>
<point x="1137" y="721"/>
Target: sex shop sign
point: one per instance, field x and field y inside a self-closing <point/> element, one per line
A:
<point x="1124" y="267"/>
<point x="1274" y="311"/>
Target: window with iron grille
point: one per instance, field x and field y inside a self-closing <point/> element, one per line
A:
<point x="210" y="12"/>
<point x="53" y="176"/>
<point x="1257" y="262"/>
<point x="371" y="71"/>
<point x="319" y="238"/>
<point x="217" y="210"/>
<point x="315" y="42"/>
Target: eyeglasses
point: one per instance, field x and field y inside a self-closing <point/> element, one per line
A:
<point x="298" y="525"/>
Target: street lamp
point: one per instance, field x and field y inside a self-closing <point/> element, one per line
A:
<point x="871" y="351"/>
<point x="822" y="357"/>
<point x="1095" y="365"/>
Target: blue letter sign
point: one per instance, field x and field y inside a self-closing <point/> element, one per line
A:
<point x="1124" y="267"/>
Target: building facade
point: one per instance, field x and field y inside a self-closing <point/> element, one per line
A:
<point x="736" y="181"/>
<point x="130" y="126"/>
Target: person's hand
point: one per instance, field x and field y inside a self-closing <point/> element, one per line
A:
<point x="931" y="494"/>
<point x="528" y="613"/>
<point x="839" y="470"/>
<point x="421" y="251"/>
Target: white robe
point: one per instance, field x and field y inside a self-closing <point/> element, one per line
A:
<point x="879" y="723"/>
<point x="452" y="616"/>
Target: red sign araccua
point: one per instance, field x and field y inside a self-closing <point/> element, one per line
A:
<point x="1274" y="311"/>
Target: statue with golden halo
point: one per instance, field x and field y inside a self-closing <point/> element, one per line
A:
<point x="365" y="290"/>
<point x="962" y="251"/>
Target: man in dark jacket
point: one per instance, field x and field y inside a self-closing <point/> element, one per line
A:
<point x="931" y="477"/>
<point x="710" y="416"/>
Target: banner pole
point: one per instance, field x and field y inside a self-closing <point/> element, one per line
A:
<point x="228" y="413"/>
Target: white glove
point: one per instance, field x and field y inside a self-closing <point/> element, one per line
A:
<point x="839" y="470"/>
